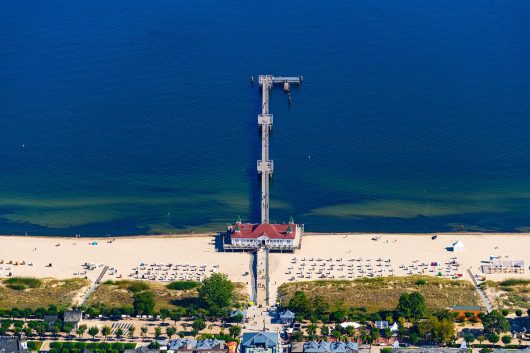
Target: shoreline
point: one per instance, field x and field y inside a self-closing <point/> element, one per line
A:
<point x="306" y="234"/>
<point x="67" y="257"/>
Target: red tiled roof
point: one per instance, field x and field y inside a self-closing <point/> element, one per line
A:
<point x="254" y="231"/>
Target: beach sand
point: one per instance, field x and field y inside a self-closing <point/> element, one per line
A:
<point x="403" y="249"/>
<point x="127" y="253"/>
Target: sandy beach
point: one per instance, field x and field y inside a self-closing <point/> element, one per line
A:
<point x="398" y="254"/>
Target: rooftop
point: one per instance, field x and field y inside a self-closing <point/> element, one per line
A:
<point x="11" y="345"/>
<point x="254" y="231"/>
<point x="260" y="339"/>
<point x="73" y="316"/>
<point x="467" y="308"/>
<point x="430" y="350"/>
<point x="191" y="344"/>
<point x="330" y="347"/>
<point x="287" y="314"/>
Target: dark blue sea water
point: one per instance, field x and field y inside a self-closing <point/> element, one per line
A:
<point x="135" y="117"/>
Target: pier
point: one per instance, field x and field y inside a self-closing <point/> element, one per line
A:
<point x="265" y="166"/>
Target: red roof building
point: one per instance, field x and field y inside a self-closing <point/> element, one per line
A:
<point x="274" y="236"/>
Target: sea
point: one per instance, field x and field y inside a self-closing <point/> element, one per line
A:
<point x="139" y="117"/>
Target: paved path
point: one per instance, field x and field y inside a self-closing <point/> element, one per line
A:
<point x="94" y="286"/>
<point x="262" y="278"/>
<point x="480" y="292"/>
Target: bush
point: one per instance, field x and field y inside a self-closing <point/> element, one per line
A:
<point x="514" y="282"/>
<point x="505" y="312"/>
<point x="27" y="282"/>
<point x="519" y="312"/>
<point x="182" y="285"/>
<point x="136" y="287"/>
<point x="420" y="282"/>
<point x="386" y="350"/>
<point x="16" y="286"/>
<point x="103" y="347"/>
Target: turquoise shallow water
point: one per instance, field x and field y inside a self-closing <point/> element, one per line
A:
<point x="138" y="117"/>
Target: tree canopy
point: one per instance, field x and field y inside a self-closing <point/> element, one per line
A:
<point x="411" y="305"/>
<point x="216" y="292"/>
<point x="494" y="322"/>
<point x="144" y="302"/>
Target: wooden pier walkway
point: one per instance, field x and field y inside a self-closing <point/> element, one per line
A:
<point x="265" y="119"/>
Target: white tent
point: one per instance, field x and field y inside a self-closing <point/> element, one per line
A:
<point x="458" y="246"/>
<point x="394" y="327"/>
<point x="348" y="324"/>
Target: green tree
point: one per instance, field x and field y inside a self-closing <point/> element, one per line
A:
<point x="170" y="331"/>
<point x="494" y="322"/>
<point x="158" y="332"/>
<point x="506" y="339"/>
<point x="321" y="306"/>
<point x="41" y="328"/>
<point x="55" y="330"/>
<point x="93" y="331"/>
<point x="411" y="305"/>
<point x="235" y="331"/>
<point x="519" y="312"/>
<point x="81" y="330"/>
<point x="164" y="313"/>
<point x="481" y="339"/>
<point x="68" y="327"/>
<point x="375" y="335"/>
<point x="143" y="331"/>
<point x="144" y="302"/>
<point x="216" y="292"/>
<point x="469" y="338"/>
<point x="237" y="318"/>
<point x="175" y="316"/>
<point x="131" y="330"/>
<point x="106" y="331"/>
<point x="297" y="336"/>
<point x="402" y="330"/>
<point x="119" y="333"/>
<point x="299" y="303"/>
<point x="493" y="337"/>
<point x="198" y="324"/>
<point x="311" y="329"/>
<point x="28" y="331"/>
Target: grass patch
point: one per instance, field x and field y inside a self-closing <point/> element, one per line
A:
<point x="120" y="293"/>
<point x="512" y="293"/>
<point x="34" y="346"/>
<point x="48" y="292"/>
<point x="510" y="282"/>
<point x="382" y="293"/>
<point x="21" y="283"/>
<point x="183" y="285"/>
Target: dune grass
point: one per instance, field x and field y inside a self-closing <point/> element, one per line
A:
<point x="116" y="294"/>
<point x="382" y="293"/>
<point x="33" y="293"/>
<point x="511" y="293"/>
<point x="21" y="283"/>
<point x="514" y="282"/>
<point x="183" y="285"/>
